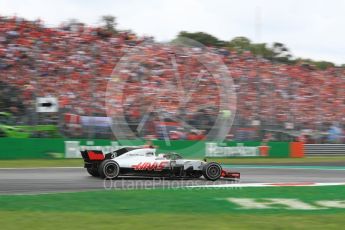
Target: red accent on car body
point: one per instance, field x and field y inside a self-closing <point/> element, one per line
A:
<point x="155" y="166"/>
<point x="230" y="174"/>
<point x="95" y="156"/>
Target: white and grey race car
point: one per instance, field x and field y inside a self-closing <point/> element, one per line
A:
<point x="144" y="162"/>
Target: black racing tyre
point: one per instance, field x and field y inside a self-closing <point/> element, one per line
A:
<point x="93" y="172"/>
<point x="212" y="171"/>
<point x="109" y="169"/>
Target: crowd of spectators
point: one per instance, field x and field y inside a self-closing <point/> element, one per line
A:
<point x="76" y="63"/>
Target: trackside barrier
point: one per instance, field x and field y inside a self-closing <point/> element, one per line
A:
<point x="247" y="149"/>
<point x="40" y="148"/>
<point x="296" y="149"/>
<point x="35" y="148"/>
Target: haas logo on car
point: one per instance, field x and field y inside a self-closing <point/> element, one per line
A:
<point x="151" y="166"/>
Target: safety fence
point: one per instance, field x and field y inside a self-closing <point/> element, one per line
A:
<point x="324" y="149"/>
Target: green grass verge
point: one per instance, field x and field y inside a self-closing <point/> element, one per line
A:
<point x="85" y="221"/>
<point x="79" y="162"/>
<point x="169" y="209"/>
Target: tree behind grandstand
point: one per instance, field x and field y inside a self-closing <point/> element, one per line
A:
<point x="275" y="52"/>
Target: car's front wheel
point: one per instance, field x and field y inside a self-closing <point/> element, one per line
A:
<point x="212" y="171"/>
<point x="109" y="169"/>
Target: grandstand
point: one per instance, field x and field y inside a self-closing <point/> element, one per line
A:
<point x="75" y="65"/>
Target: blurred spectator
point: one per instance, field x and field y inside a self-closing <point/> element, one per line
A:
<point x="335" y="134"/>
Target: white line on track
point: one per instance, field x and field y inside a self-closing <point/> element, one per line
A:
<point x="279" y="184"/>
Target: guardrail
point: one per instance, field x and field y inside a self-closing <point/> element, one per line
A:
<point x="324" y="149"/>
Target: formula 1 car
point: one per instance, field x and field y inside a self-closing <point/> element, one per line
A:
<point x="144" y="162"/>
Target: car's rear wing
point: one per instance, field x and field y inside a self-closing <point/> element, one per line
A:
<point x="92" y="155"/>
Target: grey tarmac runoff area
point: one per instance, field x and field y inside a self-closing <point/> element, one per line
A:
<point x="51" y="180"/>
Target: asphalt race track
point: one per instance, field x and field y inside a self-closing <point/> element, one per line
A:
<point x="50" y="180"/>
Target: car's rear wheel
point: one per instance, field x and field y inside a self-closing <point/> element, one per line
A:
<point x="212" y="171"/>
<point x="109" y="169"/>
<point x="93" y="172"/>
